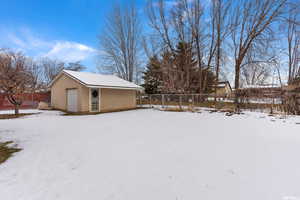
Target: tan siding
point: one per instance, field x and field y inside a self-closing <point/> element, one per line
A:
<point x="117" y="99"/>
<point x="58" y="93"/>
<point x="228" y="89"/>
<point x="85" y="99"/>
<point x="221" y="91"/>
<point x="224" y="90"/>
<point x="291" y="87"/>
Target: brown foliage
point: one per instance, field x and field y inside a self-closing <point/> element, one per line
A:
<point x="16" y="76"/>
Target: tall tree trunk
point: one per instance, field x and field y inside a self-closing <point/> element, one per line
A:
<point x="199" y="64"/>
<point x="218" y="46"/>
<point x="237" y="75"/>
<point x="17" y="107"/>
<point x="237" y="85"/>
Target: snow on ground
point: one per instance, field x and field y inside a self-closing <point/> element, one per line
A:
<point x="152" y="155"/>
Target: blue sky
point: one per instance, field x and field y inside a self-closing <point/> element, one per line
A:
<point x="61" y="29"/>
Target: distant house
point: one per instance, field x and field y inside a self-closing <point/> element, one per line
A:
<point x="294" y="86"/>
<point x="223" y="88"/>
<point x="89" y="92"/>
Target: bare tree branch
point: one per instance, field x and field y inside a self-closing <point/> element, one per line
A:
<point x="121" y="42"/>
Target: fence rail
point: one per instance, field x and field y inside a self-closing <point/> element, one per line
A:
<point x="271" y="103"/>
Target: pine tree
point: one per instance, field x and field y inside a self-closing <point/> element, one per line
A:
<point x="186" y="68"/>
<point x="153" y="76"/>
<point x="208" y="77"/>
<point x="177" y="73"/>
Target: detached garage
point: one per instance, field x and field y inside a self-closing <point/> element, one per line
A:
<point x="88" y="92"/>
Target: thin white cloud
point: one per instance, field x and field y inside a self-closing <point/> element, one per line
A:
<point x="70" y="51"/>
<point x="36" y="46"/>
<point x="23" y="39"/>
<point x="16" y="41"/>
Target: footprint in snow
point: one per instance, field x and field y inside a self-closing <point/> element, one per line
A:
<point x="231" y="171"/>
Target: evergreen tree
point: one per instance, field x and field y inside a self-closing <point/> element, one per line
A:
<point x="186" y="68"/>
<point x="208" y="80"/>
<point x="153" y="76"/>
<point x="177" y="73"/>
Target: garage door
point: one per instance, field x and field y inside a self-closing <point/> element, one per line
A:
<point x="72" y="104"/>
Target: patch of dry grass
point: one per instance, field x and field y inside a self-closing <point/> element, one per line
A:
<point x="13" y="116"/>
<point x="6" y="151"/>
<point x="174" y="109"/>
<point x="97" y="113"/>
<point x="221" y="106"/>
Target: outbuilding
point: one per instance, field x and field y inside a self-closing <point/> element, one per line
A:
<point x="82" y="92"/>
<point x="223" y="88"/>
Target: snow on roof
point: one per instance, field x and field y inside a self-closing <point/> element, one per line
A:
<point x="221" y="84"/>
<point x="98" y="80"/>
<point x="261" y="86"/>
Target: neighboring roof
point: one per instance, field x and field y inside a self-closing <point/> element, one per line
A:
<point x="261" y="86"/>
<point x="222" y="84"/>
<point x="98" y="80"/>
<point x="296" y="81"/>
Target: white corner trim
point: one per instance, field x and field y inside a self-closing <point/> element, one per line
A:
<point x="90" y="99"/>
<point x="99" y="95"/>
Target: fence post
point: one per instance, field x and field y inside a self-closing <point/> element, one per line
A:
<point x="140" y="98"/>
<point x="163" y="101"/>
<point x="193" y="99"/>
<point x="180" y="101"/>
<point x="150" y="100"/>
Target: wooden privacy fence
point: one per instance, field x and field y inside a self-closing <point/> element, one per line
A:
<point x="30" y="100"/>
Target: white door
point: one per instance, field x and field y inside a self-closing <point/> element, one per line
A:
<point x="72" y="100"/>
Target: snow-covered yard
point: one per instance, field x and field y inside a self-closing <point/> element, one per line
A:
<point x="152" y="155"/>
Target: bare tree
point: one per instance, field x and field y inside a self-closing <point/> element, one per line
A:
<point x="16" y="77"/>
<point x="252" y="20"/>
<point x="209" y="41"/>
<point x="159" y="22"/>
<point x="151" y="46"/>
<point x="120" y="42"/>
<point x="185" y="21"/>
<point x="37" y="75"/>
<point x="259" y="65"/>
<point x="293" y="42"/>
<point x="180" y="23"/>
<point x="51" y="68"/>
<point x="220" y="29"/>
<point x="194" y="13"/>
<point x="163" y="29"/>
<point x="256" y="74"/>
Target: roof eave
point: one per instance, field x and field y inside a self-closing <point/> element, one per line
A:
<point x="116" y="87"/>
